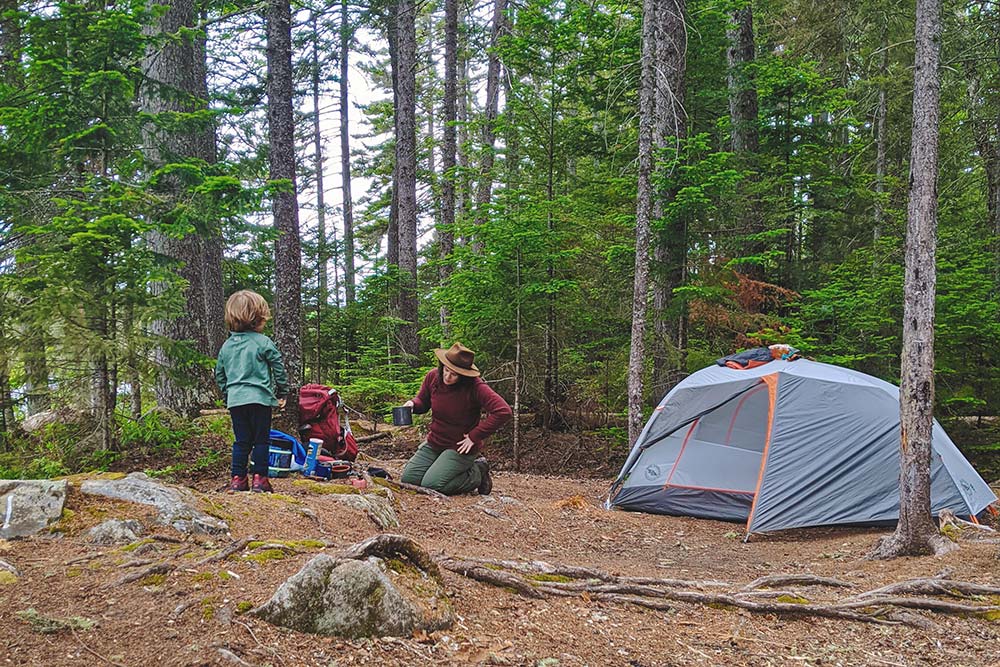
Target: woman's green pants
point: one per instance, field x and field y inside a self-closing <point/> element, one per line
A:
<point x="447" y="471"/>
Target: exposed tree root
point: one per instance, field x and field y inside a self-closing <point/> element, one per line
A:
<point x="539" y="579"/>
<point x="159" y="568"/>
<point x="225" y="553"/>
<point x="792" y="579"/>
<point x="935" y="586"/>
<point x="396" y="486"/>
<point x="387" y="545"/>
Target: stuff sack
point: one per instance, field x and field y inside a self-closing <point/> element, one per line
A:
<point x="280" y="441"/>
<point x="319" y="417"/>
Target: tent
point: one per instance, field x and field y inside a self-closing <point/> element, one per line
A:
<point x="784" y="445"/>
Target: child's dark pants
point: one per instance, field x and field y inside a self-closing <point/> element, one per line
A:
<point x="252" y="428"/>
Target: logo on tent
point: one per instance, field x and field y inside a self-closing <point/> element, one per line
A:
<point x="652" y="472"/>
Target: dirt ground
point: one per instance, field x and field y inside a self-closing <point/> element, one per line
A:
<point x="193" y="615"/>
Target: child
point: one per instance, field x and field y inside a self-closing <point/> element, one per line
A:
<point x="252" y="378"/>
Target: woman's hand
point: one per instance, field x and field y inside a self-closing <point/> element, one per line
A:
<point x="281" y="403"/>
<point x="408" y="404"/>
<point x="465" y="445"/>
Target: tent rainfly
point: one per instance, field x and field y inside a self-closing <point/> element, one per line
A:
<point x="784" y="445"/>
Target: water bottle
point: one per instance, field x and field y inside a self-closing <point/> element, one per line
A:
<point x="315" y="444"/>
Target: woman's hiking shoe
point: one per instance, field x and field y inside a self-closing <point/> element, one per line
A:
<point x="239" y="483"/>
<point x="261" y="484"/>
<point x="486" y="481"/>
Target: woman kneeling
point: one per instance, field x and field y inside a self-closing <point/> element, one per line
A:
<point x="456" y="396"/>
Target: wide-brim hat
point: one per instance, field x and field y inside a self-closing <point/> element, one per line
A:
<point x="459" y="359"/>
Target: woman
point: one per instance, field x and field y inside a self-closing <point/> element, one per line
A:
<point x="456" y="396"/>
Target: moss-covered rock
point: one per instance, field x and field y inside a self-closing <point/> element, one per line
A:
<point x="359" y="598"/>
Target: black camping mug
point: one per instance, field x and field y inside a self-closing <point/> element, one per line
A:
<point x="402" y="416"/>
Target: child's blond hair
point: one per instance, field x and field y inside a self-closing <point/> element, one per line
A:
<point x="246" y="311"/>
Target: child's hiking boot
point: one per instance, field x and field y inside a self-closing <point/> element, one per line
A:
<point x="239" y="483"/>
<point x="485" y="481"/>
<point x="261" y="484"/>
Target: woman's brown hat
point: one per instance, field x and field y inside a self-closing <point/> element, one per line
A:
<point x="459" y="359"/>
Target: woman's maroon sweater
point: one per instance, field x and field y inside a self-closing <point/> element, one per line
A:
<point x="455" y="410"/>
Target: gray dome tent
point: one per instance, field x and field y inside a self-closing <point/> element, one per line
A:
<point x="784" y="445"/>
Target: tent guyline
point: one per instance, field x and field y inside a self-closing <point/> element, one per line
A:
<point x="787" y="444"/>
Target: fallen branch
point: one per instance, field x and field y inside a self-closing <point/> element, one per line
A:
<point x="159" y="568"/>
<point x="225" y="553"/>
<point x="84" y="559"/>
<point x="396" y="486"/>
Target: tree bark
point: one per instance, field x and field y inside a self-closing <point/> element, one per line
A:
<point x="463" y="201"/>
<point x="743" y="111"/>
<point x="406" y="175"/>
<point x="176" y="83"/>
<point x="322" y="251"/>
<point x="985" y="121"/>
<point x="644" y="207"/>
<point x="6" y="404"/>
<point x="485" y="188"/>
<point x="284" y="203"/>
<point x="10" y="43"/>
<point x="915" y="533"/>
<point x="392" y="234"/>
<point x="345" y="155"/>
<point x="881" y="138"/>
<point x="446" y="232"/>
<point x="670" y="252"/>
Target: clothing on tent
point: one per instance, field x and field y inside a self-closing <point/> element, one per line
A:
<point x="758" y="356"/>
<point x="785" y="445"/>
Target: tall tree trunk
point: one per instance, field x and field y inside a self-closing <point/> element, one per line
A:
<point x="485" y="188"/>
<point x="463" y="189"/>
<point x="322" y="252"/>
<point x="345" y="155"/>
<point x="6" y="404"/>
<point x="551" y="382"/>
<point x="133" y="374"/>
<point x="10" y="43"/>
<point x="881" y="136"/>
<point x="446" y="232"/>
<point x="392" y="235"/>
<point x="518" y="371"/>
<point x="744" y="131"/>
<point x="985" y="121"/>
<point x="916" y="533"/>
<point x="406" y="175"/>
<point x="175" y="82"/>
<point x="212" y="242"/>
<point x="670" y="252"/>
<point x="644" y="207"/>
<point x="287" y="246"/>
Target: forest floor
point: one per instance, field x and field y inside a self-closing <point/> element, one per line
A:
<point x="192" y="615"/>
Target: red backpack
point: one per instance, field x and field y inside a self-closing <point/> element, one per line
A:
<point x="319" y="417"/>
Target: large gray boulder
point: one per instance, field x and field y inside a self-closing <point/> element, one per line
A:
<point x="177" y="506"/>
<point x="28" y="506"/>
<point x="361" y="594"/>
